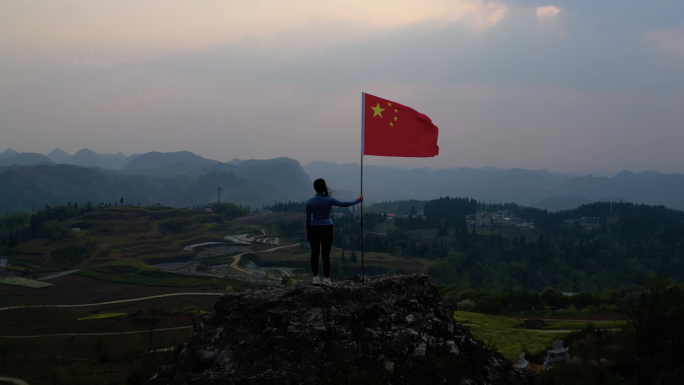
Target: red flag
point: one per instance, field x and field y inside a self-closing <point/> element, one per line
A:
<point x="392" y="129"/>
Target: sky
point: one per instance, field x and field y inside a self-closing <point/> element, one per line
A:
<point x="571" y="86"/>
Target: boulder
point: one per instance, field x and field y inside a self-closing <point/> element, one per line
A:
<point x="395" y="329"/>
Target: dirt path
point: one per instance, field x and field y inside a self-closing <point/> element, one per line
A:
<point x="234" y="265"/>
<point x="14" y="380"/>
<point x="109" y="302"/>
<point x="97" y="334"/>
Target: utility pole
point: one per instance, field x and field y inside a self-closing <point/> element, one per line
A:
<point x="218" y="195"/>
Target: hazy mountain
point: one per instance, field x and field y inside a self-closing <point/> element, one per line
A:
<point x="284" y="173"/>
<point x="235" y="161"/>
<point x="30" y="188"/>
<point x="385" y="183"/>
<point x="491" y="185"/>
<point x="58" y="155"/>
<point x="89" y="158"/>
<point x="8" y="153"/>
<point x="561" y="203"/>
<point x="157" y="162"/>
<point x="202" y="189"/>
<point x="25" y="159"/>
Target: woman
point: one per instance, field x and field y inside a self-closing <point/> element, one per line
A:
<point x="319" y="227"/>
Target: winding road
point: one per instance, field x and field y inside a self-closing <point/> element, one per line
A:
<point x="234" y="265"/>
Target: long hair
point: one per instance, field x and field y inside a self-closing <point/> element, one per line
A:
<point x="322" y="188"/>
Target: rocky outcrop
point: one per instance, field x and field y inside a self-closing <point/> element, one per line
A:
<point x="392" y="330"/>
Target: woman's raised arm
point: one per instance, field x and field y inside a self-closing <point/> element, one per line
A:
<point x="337" y="203"/>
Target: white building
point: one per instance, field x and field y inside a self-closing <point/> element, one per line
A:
<point x="557" y="354"/>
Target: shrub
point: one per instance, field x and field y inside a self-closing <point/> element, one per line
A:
<point x="465" y="305"/>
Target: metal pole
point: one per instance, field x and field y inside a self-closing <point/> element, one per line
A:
<point x="363" y="133"/>
<point x="363" y="276"/>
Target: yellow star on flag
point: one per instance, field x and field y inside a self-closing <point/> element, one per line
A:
<point x="377" y="110"/>
<point x="391" y="124"/>
<point x="395" y="118"/>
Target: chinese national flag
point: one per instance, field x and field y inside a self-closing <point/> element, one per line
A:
<point x="392" y="129"/>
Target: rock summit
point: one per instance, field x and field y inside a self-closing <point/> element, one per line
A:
<point x="395" y="329"/>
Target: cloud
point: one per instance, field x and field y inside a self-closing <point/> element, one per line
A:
<point x="181" y="25"/>
<point x="547" y="12"/>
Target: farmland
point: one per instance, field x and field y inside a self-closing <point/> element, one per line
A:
<point x="132" y="281"/>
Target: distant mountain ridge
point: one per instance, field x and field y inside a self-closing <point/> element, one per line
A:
<point x="494" y="186"/>
<point x="25" y="159"/>
<point x="538" y="188"/>
<point x="89" y="158"/>
<point x="28" y="188"/>
<point x="152" y="161"/>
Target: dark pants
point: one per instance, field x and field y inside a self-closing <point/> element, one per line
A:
<point x="321" y="236"/>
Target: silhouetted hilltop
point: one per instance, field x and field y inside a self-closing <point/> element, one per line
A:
<point x="8" y="153"/>
<point x="393" y="330"/>
<point x="89" y="158"/>
<point x="284" y="173"/>
<point x="58" y="155"/>
<point x="156" y="162"/>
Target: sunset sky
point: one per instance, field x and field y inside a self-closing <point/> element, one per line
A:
<point x="570" y="86"/>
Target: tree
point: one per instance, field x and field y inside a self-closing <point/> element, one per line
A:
<point x="121" y="201"/>
<point x="353" y="256"/>
<point x="647" y="307"/>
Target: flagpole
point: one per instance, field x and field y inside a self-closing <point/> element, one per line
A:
<point x="363" y="119"/>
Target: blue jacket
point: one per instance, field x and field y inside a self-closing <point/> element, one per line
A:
<point x="319" y="207"/>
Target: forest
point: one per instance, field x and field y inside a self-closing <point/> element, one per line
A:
<point x="629" y="242"/>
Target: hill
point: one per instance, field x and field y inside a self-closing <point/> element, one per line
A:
<point x="284" y="173"/>
<point x="25" y="159"/>
<point x="30" y="188"/>
<point x="392" y="330"/>
<point x="58" y="155"/>
<point x="88" y="158"/>
<point x="8" y="153"/>
<point x="158" y="162"/>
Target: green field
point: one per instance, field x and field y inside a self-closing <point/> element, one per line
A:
<point x="19" y="281"/>
<point x="506" y="335"/>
